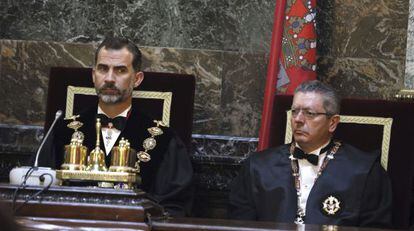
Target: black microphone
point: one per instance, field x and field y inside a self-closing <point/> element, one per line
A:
<point x="58" y="114"/>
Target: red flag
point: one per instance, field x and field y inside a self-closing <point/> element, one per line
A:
<point x="292" y="55"/>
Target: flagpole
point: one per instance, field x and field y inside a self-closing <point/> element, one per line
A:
<point x="272" y="71"/>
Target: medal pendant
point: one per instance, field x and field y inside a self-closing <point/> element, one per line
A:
<point x="331" y="205"/>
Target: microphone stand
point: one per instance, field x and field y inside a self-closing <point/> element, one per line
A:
<point x="57" y="117"/>
<point x="34" y="175"/>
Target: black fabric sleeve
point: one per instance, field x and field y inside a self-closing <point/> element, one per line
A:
<point x="376" y="205"/>
<point x="173" y="182"/>
<point x="241" y="203"/>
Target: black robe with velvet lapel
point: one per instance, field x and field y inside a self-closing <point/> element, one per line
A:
<point x="167" y="176"/>
<point x="264" y="190"/>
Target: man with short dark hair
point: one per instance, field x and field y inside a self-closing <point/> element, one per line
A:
<point x="313" y="180"/>
<point x="167" y="174"/>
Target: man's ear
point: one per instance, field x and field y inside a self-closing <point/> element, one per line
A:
<point x="334" y="121"/>
<point x="139" y="76"/>
<point x="93" y="75"/>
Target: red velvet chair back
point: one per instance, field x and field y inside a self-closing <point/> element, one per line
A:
<point x="181" y="86"/>
<point x="369" y="138"/>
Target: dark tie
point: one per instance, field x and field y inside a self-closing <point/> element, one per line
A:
<point x="311" y="158"/>
<point x="117" y="122"/>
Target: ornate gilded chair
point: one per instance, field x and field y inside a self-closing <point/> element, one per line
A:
<point x="371" y="125"/>
<point x="165" y="96"/>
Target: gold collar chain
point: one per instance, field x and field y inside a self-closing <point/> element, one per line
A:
<point x="300" y="215"/>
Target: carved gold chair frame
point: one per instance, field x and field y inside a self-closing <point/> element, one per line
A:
<point x="166" y="97"/>
<point x="370" y="120"/>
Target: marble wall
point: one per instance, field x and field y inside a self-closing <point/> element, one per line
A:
<point x="409" y="62"/>
<point x="362" y="46"/>
<point x="242" y="25"/>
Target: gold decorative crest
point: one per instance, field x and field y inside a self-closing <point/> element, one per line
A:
<point x="386" y="123"/>
<point x="164" y="97"/>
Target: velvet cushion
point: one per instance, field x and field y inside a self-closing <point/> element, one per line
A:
<point x="182" y="86"/>
<point x="369" y="138"/>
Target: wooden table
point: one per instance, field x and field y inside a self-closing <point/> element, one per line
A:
<point x="72" y="208"/>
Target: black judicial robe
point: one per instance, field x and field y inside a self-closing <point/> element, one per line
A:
<point x="166" y="177"/>
<point x="264" y="190"/>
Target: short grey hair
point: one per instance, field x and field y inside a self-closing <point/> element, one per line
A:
<point x="331" y="100"/>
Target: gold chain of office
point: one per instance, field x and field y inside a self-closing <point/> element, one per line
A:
<point x="300" y="215"/>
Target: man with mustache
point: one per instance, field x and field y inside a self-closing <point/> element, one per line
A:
<point x="315" y="179"/>
<point x="167" y="175"/>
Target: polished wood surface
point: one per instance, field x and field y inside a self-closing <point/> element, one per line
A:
<point x="82" y="211"/>
<point x="79" y="203"/>
<point x="72" y="208"/>
<point x="42" y="223"/>
<point x="196" y="224"/>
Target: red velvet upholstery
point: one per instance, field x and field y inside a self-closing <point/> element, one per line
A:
<point x="182" y="86"/>
<point x="369" y="138"/>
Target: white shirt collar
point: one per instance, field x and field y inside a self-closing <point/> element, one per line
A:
<point x="123" y="114"/>
<point x="316" y="151"/>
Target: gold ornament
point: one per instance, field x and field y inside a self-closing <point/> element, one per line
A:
<point x="143" y="156"/>
<point x="149" y="143"/>
<point x="331" y="205"/>
<point x="155" y="131"/>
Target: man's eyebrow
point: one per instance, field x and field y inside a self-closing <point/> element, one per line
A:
<point x="303" y="108"/>
<point x="120" y="66"/>
<point x="115" y="66"/>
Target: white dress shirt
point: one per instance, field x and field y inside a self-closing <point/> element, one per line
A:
<point x="307" y="175"/>
<point x="110" y="135"/>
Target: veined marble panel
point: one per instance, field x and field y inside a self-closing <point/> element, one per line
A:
<point x="369" y="28"/>
<point x="207" y="66"/>
<point x="364" y="29"/>
<point x="362" y="77"/>
<point x="244" y="77"/>
<point x="223" y="25"/>
<point x="57" y="20"/>
<point x="409" y="61"/>
<point x="199" y="24"/>
<point x="325" y="26"/>
<point x="230" y="149"/>
<point x="150" y="23"/>
<point x="24" y="76"/>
